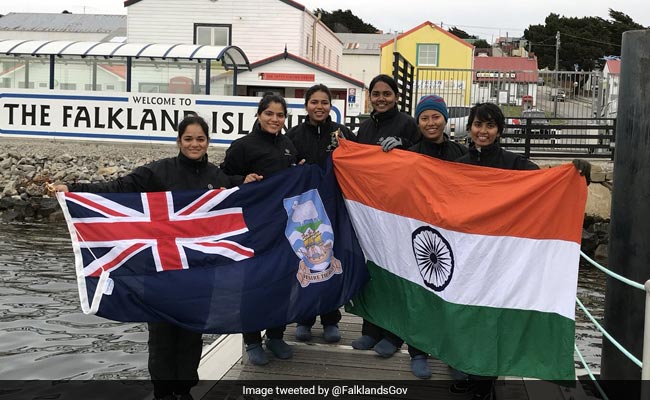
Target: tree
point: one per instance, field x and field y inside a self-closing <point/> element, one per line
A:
<point x="584" y="41"/>
<point x="481" y="44"/>
<point x="344" y="21"/>
<point x="461" y="33"/>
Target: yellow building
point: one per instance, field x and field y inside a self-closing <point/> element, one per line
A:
<point x="442" y="61"/>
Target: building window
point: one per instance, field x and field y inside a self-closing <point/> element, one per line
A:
<point x="212" y="34"/>
<point x="427" y="55"/>
<point x="307" y="46"/>
<point x="329" y="57"/>
<point x="68" y="86"/>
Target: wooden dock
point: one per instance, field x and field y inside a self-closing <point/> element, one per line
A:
<point x="223" y="369"/>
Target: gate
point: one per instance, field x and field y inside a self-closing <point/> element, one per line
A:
<point x="403" y="73"/>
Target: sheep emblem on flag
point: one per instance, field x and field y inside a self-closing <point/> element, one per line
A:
<point x="310" y="234"/>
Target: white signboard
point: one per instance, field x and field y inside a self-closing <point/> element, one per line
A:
<point x="133" y="116"/>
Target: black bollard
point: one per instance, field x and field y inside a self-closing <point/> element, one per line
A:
<point x="629" y="240"/>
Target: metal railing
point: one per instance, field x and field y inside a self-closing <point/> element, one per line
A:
<point x="644" y="364"/>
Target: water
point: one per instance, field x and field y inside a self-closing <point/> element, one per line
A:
<point x="44" y="334"/>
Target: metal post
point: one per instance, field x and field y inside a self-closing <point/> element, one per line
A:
<point x="630" y="216"/>
<point x="557" y="71"/>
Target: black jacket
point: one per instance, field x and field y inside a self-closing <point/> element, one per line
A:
<point x="259" y="152"/>
<point x="494" y="156"/>
<point x="447" y="150"/>
<point x="390" y="123"/>
<point x="174" y="173"/>
<point x="315" y="142"/>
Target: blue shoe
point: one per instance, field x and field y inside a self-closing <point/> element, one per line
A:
<point x="365" y="342"/>
<point x="256" y="354"/>
<point x="385" y="348"/>
<point x="420" y="366"/>
<point x="279" y="348"/>
<point x="331" y="333"/>
<point x="303" y="333"/>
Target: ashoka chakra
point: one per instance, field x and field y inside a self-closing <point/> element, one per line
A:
<point x="434" y="257"/>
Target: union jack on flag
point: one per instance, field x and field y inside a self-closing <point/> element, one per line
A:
<point x="172" y="225"/>
<point x="155" y="223"/>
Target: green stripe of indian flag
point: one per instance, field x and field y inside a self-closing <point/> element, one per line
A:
<point x="477" y="340"/>
<point x="492" y="271"/>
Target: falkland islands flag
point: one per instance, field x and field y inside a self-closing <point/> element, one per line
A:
<point x="477" y="266"/>
<point x="238" y="260"/>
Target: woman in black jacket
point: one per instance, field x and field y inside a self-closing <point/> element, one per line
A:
<point x="387" y="126"/>
<point x="485" y="125"/>
<point x="174" y="352"/>
<point x="263" y="152"/>
<point x="315" y="139"/>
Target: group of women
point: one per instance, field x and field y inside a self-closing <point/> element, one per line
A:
<point x="174" y="352"/>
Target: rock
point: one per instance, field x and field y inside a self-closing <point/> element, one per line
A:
<point x="601" y="255"/>
<point x="599" y="201"/>
<point x="589" y="241"/>
<point x="107" y="170"/>
<point x="56" y="216"/>
<point x="10" y="189"/>
<point x="6" y="163"/>
<point x="35" y="190"/>
<point x="597" y="173"/>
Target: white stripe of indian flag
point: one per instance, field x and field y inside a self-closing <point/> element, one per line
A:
<point x="492" y="271"/>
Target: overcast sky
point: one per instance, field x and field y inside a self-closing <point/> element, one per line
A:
<point x="487" y="19"/>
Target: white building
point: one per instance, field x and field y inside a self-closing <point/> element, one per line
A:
<point x="264" y="30"/>
<point x="362" y="54"/>
<point x="79" y="27"/>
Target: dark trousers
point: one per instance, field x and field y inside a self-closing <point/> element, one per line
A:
<point x="414" y="351"/>
<point x="330" y="318"/>
<point x="379" y="333"/>
<point x="174" y="355"/>
<point x="256" y="337"/>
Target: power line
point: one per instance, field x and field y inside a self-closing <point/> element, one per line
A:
<point x="591" y="40"/>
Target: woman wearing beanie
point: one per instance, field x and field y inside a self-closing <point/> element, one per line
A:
<point x="431" y="115"/>
<point x="387" y="126"/>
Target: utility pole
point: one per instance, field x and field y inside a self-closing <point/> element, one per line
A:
<point x="557" y="51"/>
<point x="557" y="71"/>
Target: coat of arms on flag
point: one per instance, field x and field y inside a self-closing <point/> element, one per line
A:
<point x="310" y="233"/>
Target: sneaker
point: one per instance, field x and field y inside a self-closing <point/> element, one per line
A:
<point x="331" y="333"/>
<point x="385" y="348"/>
<point x="420" y="366"/>
<point x="303" y="333"/>
<point x="279" y="348"/>
<point x="365" y="342"/>
<point x="256" y="354"/>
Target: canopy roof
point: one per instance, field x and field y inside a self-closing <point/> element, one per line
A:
<point x="232" y="57"/>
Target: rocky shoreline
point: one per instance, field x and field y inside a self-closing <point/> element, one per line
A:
<point x="27" y="164"/>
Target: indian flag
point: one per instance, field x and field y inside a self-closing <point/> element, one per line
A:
<point x="476" y="266"/>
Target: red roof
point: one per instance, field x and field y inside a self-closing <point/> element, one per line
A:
<point x="523" y="68"/>
<point x="304" y="61"/>
<point x="422" y="25"/>
<point x="118" y="69"/>
<point x="614" y="66"/>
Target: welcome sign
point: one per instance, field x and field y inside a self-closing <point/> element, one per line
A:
<point x="133" y="116"/>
